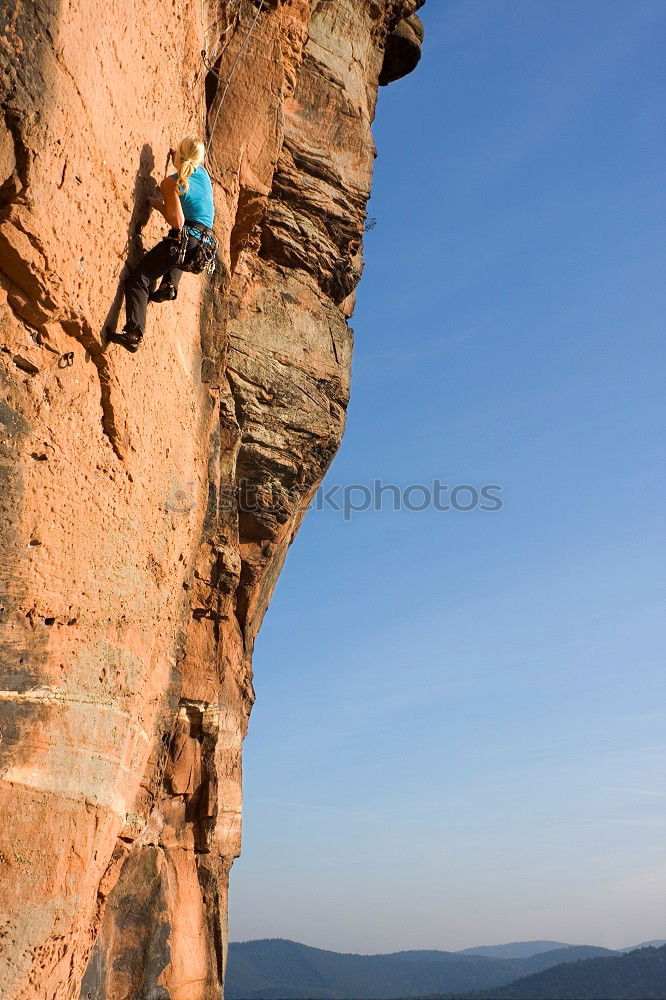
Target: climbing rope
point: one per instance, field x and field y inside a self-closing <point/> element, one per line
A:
<point x="213" y="24"/>
<point x="204" y="56"/>
<point x="233" y="70"/>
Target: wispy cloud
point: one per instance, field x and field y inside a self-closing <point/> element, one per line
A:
<point x="638" y="822"/>
<point x="319" y="808"/>
<point x="434" y="347"/>
<point x="646" y="792"/>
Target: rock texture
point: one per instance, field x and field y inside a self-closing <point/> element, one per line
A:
<point x="148" y="501"/>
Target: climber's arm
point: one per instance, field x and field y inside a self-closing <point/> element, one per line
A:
<point x="170" y="208"/>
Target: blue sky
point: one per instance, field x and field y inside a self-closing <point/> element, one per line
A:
<point x="460" y="731"/>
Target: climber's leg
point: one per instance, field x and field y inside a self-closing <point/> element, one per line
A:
<point x="157" y="262"/>
<point x="176" y="275"/>
<point x="168" y="288"/>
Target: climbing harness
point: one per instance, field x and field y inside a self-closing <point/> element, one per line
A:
<point x="204" y="254"/>
<point x="231" y="74"/>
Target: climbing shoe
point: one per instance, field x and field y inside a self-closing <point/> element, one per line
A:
<point x="165" y="293"/>
<point x="130" y="339"/>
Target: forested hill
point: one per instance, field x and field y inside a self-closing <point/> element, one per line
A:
<point x="637" y="975"/>
<point x="276" y="969"/>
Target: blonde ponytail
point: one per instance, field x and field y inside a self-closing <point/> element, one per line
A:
<point x="189" y="155"/>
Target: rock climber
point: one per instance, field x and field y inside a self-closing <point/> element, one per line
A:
<point x="187" y="205"/>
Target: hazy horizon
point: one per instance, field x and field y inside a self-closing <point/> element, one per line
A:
<point x="459" y="733"/>
<point x="500" y="944"/>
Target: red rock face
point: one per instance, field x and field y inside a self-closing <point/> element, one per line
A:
<point x="149" y="500"/>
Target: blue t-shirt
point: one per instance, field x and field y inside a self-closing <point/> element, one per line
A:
<point x="197" y="201"/>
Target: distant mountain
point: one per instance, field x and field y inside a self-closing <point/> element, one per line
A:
<point x="517" y="949"/>
<point x="635" y="975"/>
<point x="657" y="943"/>
<point x="570" y="953"/>
<point x="276" y="969"/>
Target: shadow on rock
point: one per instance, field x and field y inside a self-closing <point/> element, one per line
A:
<point x="145" y="187"/>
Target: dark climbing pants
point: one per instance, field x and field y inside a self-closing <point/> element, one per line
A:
<point x="157" y="263"/>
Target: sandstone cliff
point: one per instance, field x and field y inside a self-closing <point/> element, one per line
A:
<point x="148" y="501"/>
